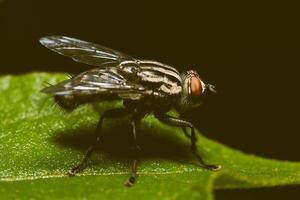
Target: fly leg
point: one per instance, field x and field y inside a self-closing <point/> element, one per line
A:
<point x="186" y="133"/>
<point x="184" y="129"/>
<point x="136" y="119"/>
<point x="113" y="113"/>
<point x="182" y="123"/>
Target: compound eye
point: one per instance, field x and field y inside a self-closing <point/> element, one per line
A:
<point x="195" y="87"/>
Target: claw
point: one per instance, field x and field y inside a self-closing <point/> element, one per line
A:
<point x="213" y="167"/>
<point x="73" y="171"/>
<point x="130" y="181"/>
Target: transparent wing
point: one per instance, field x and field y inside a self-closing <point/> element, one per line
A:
<point x="82" y="51"/>
<point x="100" y="82"/>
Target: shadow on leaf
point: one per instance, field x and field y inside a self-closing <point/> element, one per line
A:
<point x="117" y="142"/>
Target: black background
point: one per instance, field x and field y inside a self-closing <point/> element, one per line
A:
<point x="250" y="51"/>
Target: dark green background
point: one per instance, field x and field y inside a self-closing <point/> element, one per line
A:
<point x="250" y="51"/>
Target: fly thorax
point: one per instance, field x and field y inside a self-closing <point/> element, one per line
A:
<point x="129" y="67"/>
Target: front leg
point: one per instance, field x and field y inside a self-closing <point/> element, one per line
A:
<point x="182" y="123"/>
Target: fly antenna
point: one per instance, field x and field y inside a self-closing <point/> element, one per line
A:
<point x="211" y="88"/>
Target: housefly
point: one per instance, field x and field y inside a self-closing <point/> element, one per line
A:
<point x="144" y="86"/>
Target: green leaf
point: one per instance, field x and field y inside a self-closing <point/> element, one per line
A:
<point x="39" y="143"/>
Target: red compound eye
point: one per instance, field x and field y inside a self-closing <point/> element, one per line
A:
<point x="196" y="86"/>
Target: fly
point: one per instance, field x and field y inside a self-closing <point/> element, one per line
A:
<point x="144" y="86"/>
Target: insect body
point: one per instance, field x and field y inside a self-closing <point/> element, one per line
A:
<point x="146" y="87"/>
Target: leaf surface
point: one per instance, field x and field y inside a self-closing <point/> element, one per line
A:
<point x="39" y="143"/>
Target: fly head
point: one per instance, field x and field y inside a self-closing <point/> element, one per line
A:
<point x="193" y="90"/>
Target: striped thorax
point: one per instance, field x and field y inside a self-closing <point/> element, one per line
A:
<point x="156" y="74"/>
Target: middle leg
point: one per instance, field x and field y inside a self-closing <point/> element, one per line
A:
<point x="117" y="112"/>
<point x="136" y="118"/>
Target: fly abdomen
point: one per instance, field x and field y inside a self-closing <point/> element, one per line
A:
<point x="70" y="102"/>
<point x="67" y="102"/>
